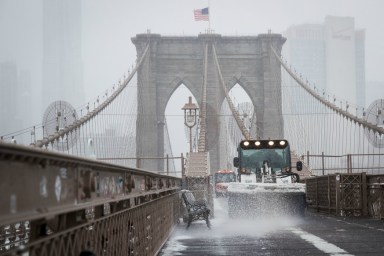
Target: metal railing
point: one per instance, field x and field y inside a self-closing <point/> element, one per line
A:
<point x="347" y="194"/>
<point x="350" y="163"/>
<point x="56" y="204"/>
<point x="140" y="160"/>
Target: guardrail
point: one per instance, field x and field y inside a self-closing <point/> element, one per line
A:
<point x="56" y="204"/>
<point x="351" y="163"/>
<point x="347" y="194"/>
<point x="140" y="160"/>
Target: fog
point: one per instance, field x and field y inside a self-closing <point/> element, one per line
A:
<point x="107" y="28"/>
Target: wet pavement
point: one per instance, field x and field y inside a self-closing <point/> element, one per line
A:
<point x="316" y="234"/>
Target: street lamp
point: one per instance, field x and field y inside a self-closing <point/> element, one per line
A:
<point x="190" y="118"/>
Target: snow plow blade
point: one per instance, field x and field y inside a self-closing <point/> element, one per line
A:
<point x="265" y="199"/>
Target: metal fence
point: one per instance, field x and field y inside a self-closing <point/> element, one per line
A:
<point x="351" y="163"/>
<point x="55" y="204"/>
<point x="347" y="194"/>
<point x="168" y="161"/>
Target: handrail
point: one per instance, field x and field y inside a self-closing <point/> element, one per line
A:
<point x="52" y="182"/>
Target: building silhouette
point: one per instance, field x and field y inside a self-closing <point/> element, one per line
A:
<point x="9" y="90"/>
<point x="331" y="56"/>
<point x="62" y="61"/>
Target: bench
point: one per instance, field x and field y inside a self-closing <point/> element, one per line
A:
<point x="196" y="209"/>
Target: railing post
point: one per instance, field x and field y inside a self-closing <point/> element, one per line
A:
<point x="349" y="163"/>
<point x="364" y="194"/>
<point x="317" y="194"/>
<point x="329" y="195"/>
<point x="167" y="164"/>
<point x="322" y="161"/>
<point x="338" y="199"/>
<point x="138" y="162"/>
<point x="182" y="165"/>
<point x="308" y="158"/>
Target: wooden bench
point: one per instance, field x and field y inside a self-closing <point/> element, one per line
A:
<point x="196" y="209"/>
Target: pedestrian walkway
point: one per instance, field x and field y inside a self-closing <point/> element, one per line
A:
<point x="226" y="237"/>
<point x="316" y="234"/>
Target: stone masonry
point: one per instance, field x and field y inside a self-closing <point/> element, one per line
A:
<point x="172" y="61"/>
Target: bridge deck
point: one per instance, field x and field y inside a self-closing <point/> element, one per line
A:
<point x="314" y="235"/>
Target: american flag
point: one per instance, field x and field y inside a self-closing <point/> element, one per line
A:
<point x="201" y="14"/>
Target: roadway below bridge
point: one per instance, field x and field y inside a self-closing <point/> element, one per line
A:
<point x="316" y="234"/>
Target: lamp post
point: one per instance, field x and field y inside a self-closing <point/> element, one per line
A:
<point x="190" y="118"/>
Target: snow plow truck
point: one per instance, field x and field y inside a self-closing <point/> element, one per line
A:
<point x="266" y="184"/>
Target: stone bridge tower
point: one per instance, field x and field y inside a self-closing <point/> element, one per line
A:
<point x="172" y="61"/>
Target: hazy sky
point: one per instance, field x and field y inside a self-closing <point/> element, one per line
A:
<point x="109" y="25"/>
<point x="108" y="29"/>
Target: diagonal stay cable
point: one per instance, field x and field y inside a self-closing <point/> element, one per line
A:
<point x="203" y="112"/>
<point x="235" y="113"/>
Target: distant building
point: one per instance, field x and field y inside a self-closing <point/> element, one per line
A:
<point x="331" y="56"/>
<point x="361" y="88"/>
<point x="9" y="120"/>
<point x="112" y="147"/>
<point x="25" y="110"/>
<point x="305" y="50"/>
<point x="62" y="61"/>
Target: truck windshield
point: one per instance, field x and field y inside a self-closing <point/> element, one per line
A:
<point x="253" y="159"/>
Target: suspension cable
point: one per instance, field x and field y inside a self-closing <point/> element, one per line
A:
<point x="330" y="105"/>
<point x="235" y="113"/>
<point x="78" y="123"/>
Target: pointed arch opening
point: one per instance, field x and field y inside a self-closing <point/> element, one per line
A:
<point x="229" y="128"/>
<point x="176" y="135"/>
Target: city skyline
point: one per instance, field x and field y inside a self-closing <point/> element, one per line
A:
<point x="108" y="53"/>
<point x="331" y="56"/>
<point x="62" y="68"/>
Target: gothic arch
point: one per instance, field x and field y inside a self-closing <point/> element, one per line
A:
<point x="173" y="61"/>
<point x="174" y="85"/>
